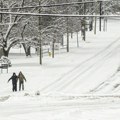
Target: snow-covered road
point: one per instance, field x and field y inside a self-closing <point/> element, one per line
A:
<point x="83" y="71"/>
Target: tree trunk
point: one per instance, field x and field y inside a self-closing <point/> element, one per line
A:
<point x="62" y="40"/>
<point x="5" y="52"/>
<point x="67" y="36"/>
<point x="95" y="25"/>
<point x="28" y="51"/>
<point x="53" y="49"/>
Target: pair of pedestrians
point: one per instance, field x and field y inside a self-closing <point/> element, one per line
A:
<point x="15" y="78"/>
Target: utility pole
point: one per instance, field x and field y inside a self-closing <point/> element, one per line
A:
<point x="95" y="19"/>
<point x="100" y="19"/>
<point x="1" y="5"/>
<point x="40" y="40"/>
<point x="67" y="20"/>
<point x="1" y="52"/>
<point x="1" y="15"/>
<point x="83" y="24"/>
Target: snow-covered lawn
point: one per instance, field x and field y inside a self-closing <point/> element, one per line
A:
<point x="83" y="84"/>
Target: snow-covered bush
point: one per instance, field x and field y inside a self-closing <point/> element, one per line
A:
<point x="5" y="60"/>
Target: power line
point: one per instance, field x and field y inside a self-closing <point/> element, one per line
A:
<point x="57" y="15"/>
<point x="55" y="5"/>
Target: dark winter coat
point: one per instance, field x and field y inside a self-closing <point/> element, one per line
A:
<point x="14" y="79"/>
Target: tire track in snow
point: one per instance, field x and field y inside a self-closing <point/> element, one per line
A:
<point x="111" y="82"/>
<point x="77" y="71"/>
<point x="81" y="77"/>
<point x="104" y="84"/>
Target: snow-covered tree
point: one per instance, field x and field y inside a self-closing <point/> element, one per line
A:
<point x="29" y="30"/>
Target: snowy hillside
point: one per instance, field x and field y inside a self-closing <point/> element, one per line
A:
<point x="83" y="84"/>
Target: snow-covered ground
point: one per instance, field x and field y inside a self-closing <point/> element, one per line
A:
<point x="83" y="84"/>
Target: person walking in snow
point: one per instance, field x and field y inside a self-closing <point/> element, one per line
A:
<point x="21" y="78"/>
<point x="14" y="79"/>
